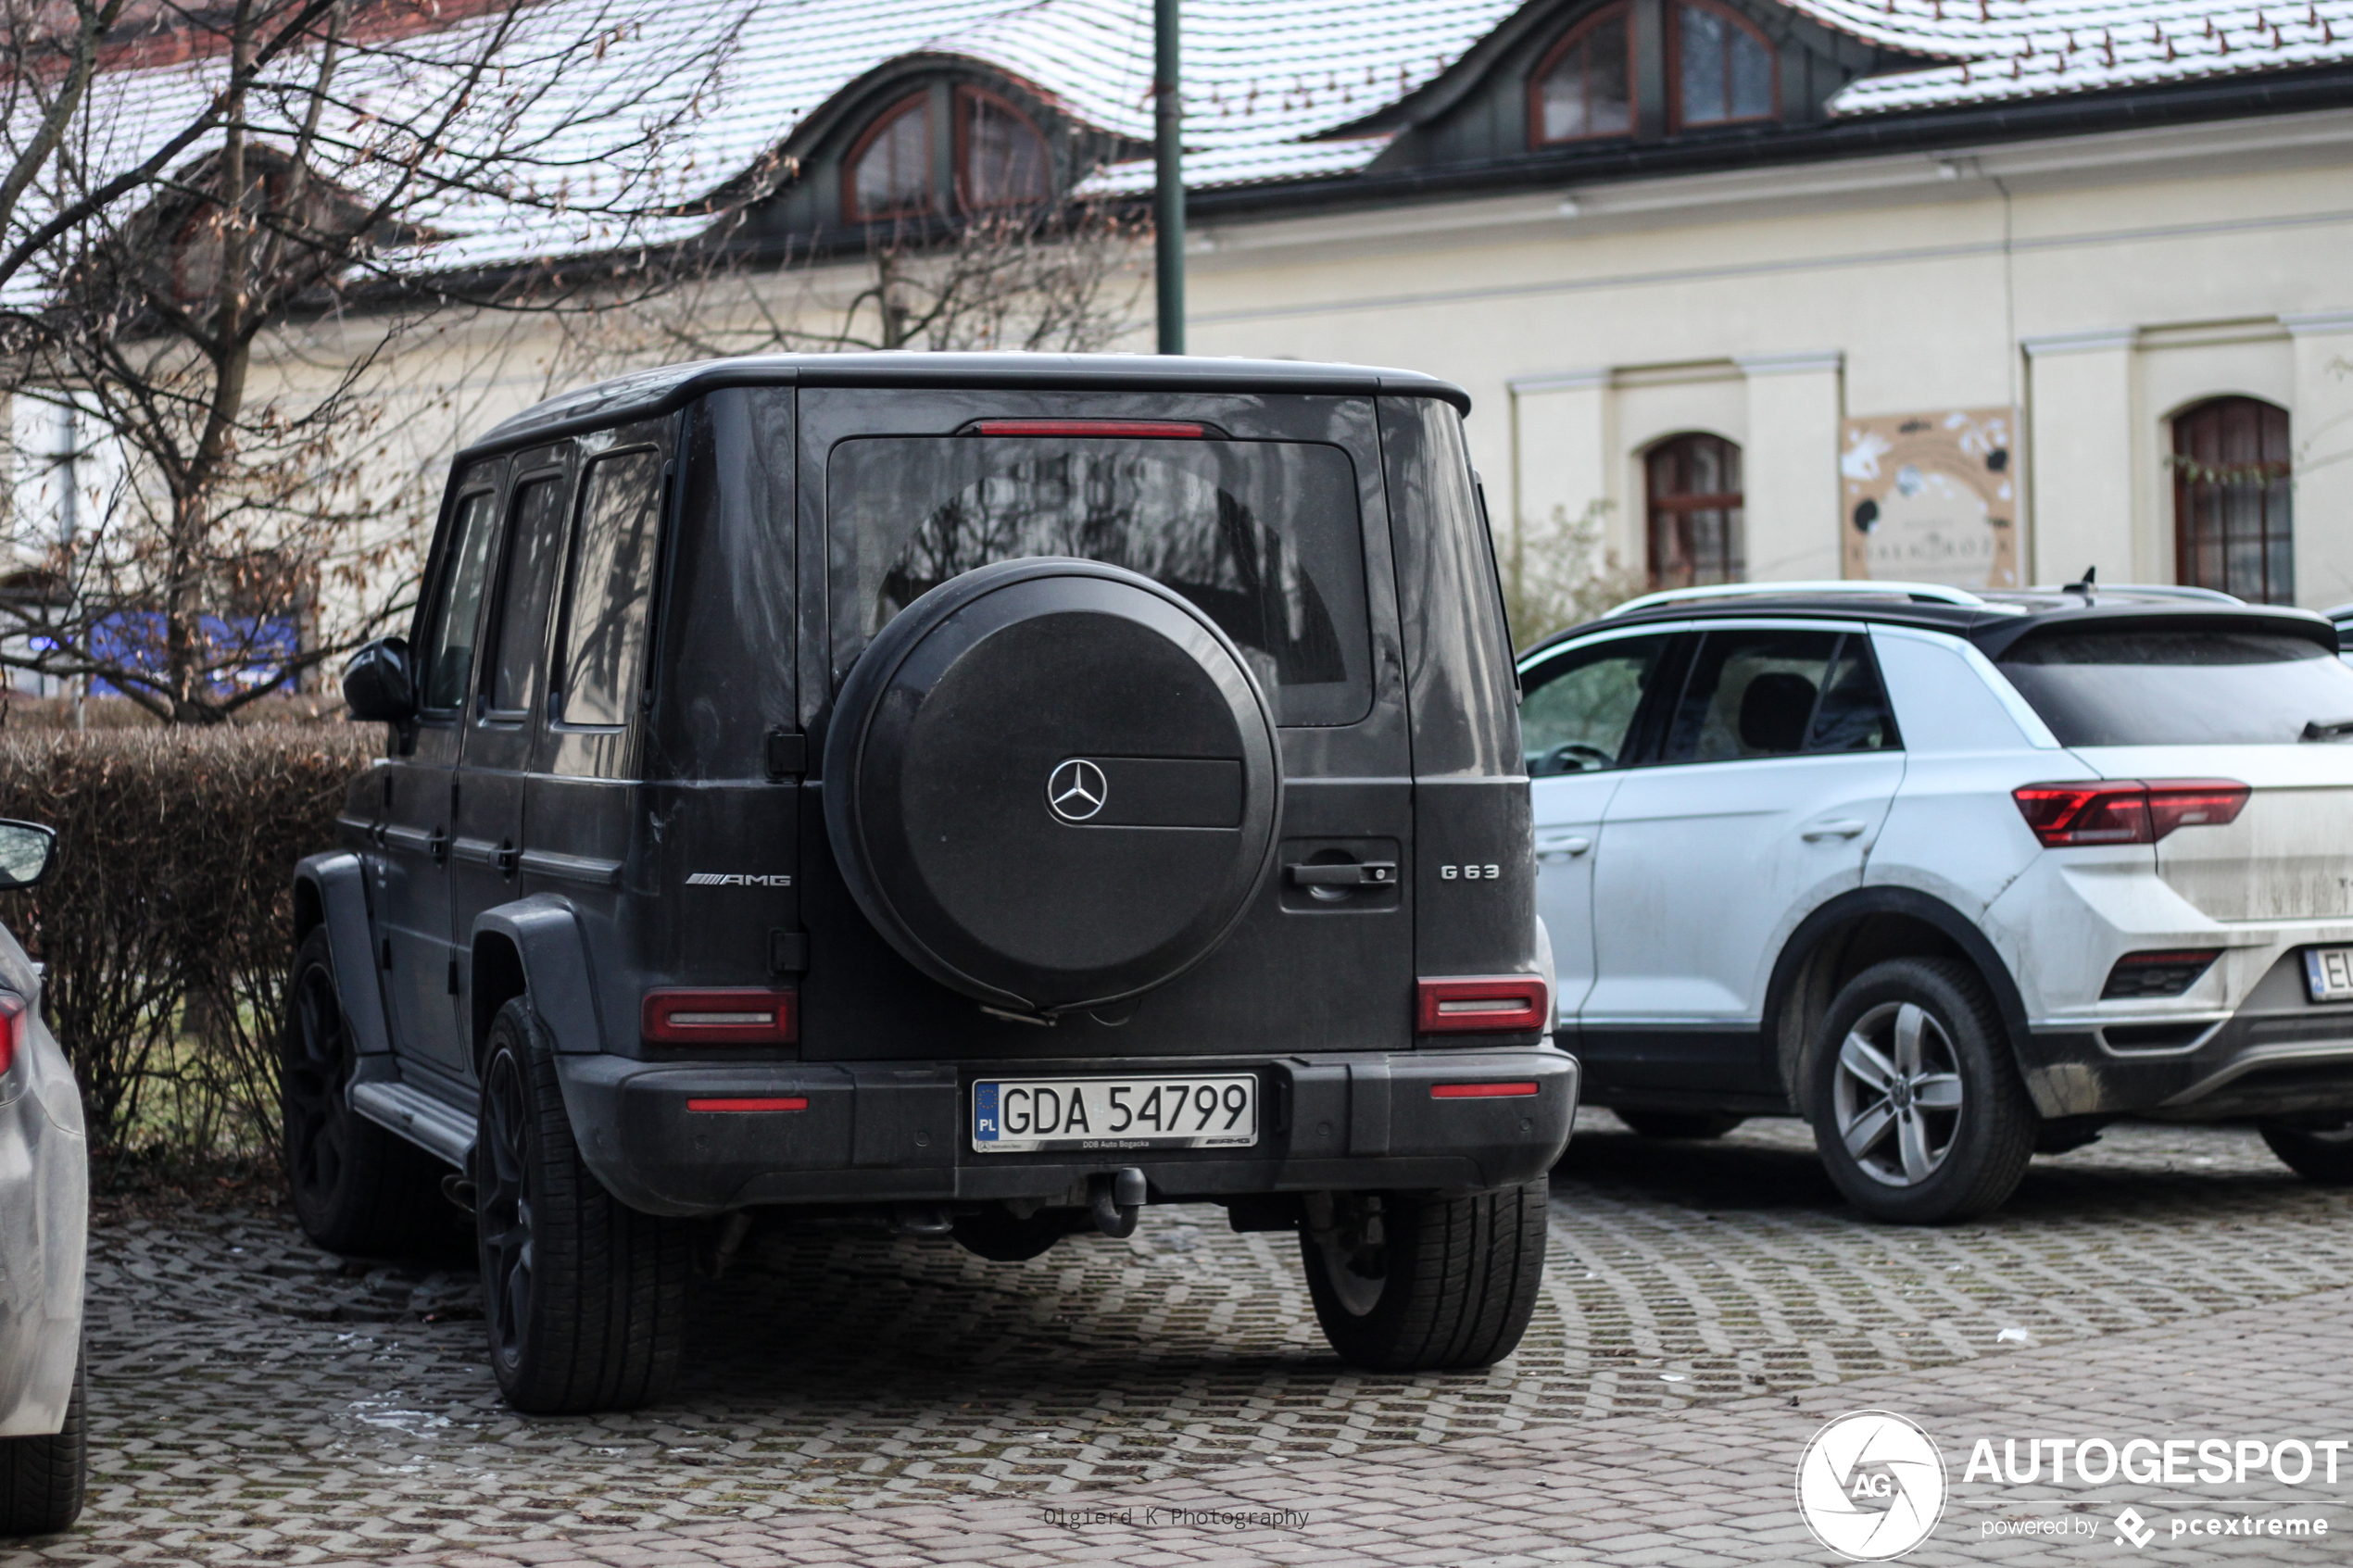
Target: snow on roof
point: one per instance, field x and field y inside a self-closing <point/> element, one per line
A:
<point x="1265" y="80"/>
<point x="2012" y="49"/>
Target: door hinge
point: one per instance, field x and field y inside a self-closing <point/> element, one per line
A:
<point x="787" y="754"/>
<point x="453" y="977"/>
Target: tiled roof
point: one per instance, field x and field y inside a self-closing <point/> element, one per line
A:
<point x="2012" y="49"/>
<point x="1265" y="78"/>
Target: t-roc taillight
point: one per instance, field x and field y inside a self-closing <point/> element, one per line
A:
<point x="2126" y="810"/>
<point x="14" y="1018"/>
<point x="723" y="1016"/>
<point x="1486" y="1005"/>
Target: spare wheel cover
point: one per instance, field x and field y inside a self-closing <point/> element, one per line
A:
<point x="1051" y="783"/>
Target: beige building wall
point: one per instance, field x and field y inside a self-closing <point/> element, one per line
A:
<point x="2100" y="284"/>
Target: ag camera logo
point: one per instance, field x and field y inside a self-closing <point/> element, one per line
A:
<point x="1871" y="1485"/>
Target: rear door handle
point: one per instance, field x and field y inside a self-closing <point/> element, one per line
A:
<point x="1561" y="848"/>
<point x="1847" y="828"/>
<point x="1369" y="873"/>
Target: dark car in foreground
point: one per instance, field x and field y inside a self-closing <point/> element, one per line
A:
<point x="977" y="795"/>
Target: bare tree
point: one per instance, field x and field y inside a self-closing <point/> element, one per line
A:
<point x="1060" y="280"/>
<point x="234" y="255"/>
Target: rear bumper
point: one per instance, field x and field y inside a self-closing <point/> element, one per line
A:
<point x="899" y="1132"/>
<point x="2279" y="1054"/>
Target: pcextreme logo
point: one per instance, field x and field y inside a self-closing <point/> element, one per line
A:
<point x="1870" y="1486"/>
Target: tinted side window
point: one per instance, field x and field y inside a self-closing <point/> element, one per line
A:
<point x="449" y="646"/>
<point x="610" y="596"/>
<point x="1853" y="714"/>
<point x="1776" y="694"/>
<point x="534" y="538"/>
<point x="1578" y="715"/>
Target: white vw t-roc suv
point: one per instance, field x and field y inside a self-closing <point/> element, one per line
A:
<point x="1955" y="877"/>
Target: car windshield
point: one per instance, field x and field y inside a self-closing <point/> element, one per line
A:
<point x="1262" y="536"/>
<point x="2176" y="687"/>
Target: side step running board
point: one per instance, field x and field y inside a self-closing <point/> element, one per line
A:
<point x="439" y="1130"/>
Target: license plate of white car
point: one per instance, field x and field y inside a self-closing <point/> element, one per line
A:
<point x="2328" y="971"/>
<point x="1029" y="1115"/>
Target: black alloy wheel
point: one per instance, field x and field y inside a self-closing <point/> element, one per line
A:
<point x="1424" y="1281"/>
<point x="502" y="1210"/>
<point x="357" y="1188"/>
<point x="584" y="1298"/>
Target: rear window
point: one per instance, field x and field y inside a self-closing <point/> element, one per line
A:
<point x="1262" y="536"/>
<point x="2181" y="687"/>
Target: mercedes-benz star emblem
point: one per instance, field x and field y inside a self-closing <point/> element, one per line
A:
<point x="1075" y="790"/>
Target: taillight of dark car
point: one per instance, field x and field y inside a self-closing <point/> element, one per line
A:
<point x="1503" y="1004"/>
<point x="2126" y="810"/>
<point x="2167" y="974"/>
<point x="723" y="1016"/>
<point x="15" y="1018"/>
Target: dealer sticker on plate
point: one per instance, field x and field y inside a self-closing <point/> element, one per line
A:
<point x="2328" y="971"/>
<point x="1024" y="1115"/>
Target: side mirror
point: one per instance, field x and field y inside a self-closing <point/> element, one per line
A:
<point x="376" y="684"/>
<point x="26" y="849"/>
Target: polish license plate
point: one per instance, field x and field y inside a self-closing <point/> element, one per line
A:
<point x="2328" y="973"/>
<point x="1025" y="1115"/>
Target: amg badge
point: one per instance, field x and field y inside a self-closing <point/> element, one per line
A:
<point x="737" y="878"/>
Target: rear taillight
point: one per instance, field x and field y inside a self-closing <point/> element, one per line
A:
<point x="1148" y="429"/>
<point x="1483" y="1091"/>
<point x="1489" y="1005"/>
<point x="729" y="1016"/>
<point x="14" y="1016"/>
<point x="2167" y="974"/>
<point x="2126" y="810"/>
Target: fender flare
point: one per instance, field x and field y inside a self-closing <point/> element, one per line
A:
<point x="1887" y="900"/>
<point x="332" y="889"/>
<point x="544" y="934"/>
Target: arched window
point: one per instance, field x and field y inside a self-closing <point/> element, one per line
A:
<point x="1720" y="65"/>
<point x="889" y="167"/>
<point x="2231" y="526"/>
<point x="1584" y="86"/>
<point x="1000" y="157"/>
<point x="1694" y="495"/>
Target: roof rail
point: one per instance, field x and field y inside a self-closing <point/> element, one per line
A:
<point x="1918" y="593"/>
<point x="2153" y="590"/>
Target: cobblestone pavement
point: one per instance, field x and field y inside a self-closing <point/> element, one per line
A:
<point x="255" y="1401"/>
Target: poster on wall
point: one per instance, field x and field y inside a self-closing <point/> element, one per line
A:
<point x="1932" y="497"/>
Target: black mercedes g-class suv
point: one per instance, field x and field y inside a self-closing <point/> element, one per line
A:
<point x="986" y="794"/>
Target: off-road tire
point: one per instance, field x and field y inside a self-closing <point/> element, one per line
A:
<point x="1678" y="1123"/>
<point x="2316" y="1154"/>
<point x="1449" y="1287"/>
<point x="584" y="1298"/>
<point x="1993" y="1137"/>
<point x="42" y="1478"/>
<point x="357" y="1188"/>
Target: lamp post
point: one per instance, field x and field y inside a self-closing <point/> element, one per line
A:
<point x="1169" y="172"/>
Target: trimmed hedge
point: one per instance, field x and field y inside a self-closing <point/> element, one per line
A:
<point x="167" y="919"/>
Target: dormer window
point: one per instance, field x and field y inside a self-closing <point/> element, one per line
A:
<point x="1000" y="157"/>
<point x="1584" y="87"/>
<point x="889" y="168"/>
<point x="1723" y="69"/>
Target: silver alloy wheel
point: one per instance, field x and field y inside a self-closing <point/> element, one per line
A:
<point x="1897" y="1096"/>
